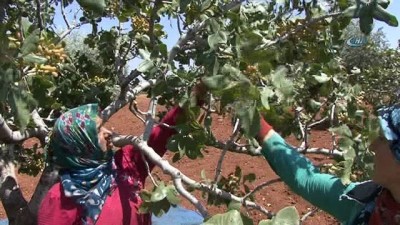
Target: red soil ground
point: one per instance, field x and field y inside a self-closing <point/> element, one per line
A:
<point x="273" y="197"/>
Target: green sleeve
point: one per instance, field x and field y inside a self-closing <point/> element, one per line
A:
<point x="321" y="190"/>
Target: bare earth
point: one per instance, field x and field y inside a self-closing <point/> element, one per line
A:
<point x="273" y="197"/>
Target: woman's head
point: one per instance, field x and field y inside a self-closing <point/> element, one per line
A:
<point x="78" y="139"/>
<point x="387" y="148"/>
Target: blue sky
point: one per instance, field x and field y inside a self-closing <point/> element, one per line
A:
<point x="392" y="33"/>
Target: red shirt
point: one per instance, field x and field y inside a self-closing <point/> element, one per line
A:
<point x="121" y="207"/>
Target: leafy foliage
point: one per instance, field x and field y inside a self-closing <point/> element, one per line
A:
<point x="284" y="60"/>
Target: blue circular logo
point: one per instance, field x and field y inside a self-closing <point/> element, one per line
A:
<point x="357" y="41"/>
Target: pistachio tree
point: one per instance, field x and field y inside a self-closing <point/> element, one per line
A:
<point x="284" y="55"/>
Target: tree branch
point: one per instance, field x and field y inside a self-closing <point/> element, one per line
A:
<point x="175" y="173"/>
<point x="38" y="15"/>
<point x="68" y="31"/>
<point x="63" y="15"/>
<point x="132" y="75"/>
<point x="260" y="187"/>
<point x="8" y="135"/>
<point x="156" y="7"/>
<point x="121" y="102"/>
<point x="179" y="187"/>
<point x="218" y="170"/>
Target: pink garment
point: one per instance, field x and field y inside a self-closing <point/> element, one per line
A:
<point x="121" y="207"/>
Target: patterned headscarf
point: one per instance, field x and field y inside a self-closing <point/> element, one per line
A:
<point x="389" y="119"/>
<point x="86" y="171"/>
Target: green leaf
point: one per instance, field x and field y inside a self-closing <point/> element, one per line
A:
<point x="160" y="193"/>
<point x="144" y="54"/>
<point x="145" y="66"/>
<point x="172" y="195"/>
<point x="31" y="43"/>
<point x="286" y="216"/>
<point x="284" y="86"/>
<point x="96" y="6"/>
<point x="323" y="78"/>
<point x="265" y="222"/>
<point x="249" y="119"/>
<point x="342" y="130"/>
<point x="315" y="105"/>
<point x="266" y="94"/>
<point x="216" y="82"/>
<point x="382" y="15"/>
<point x="232" y="217"/>
<point x="206" y="4"/>
<point x="32" y="58"/>
<point x="384" y="3"/>
<point x="352" y="11"/>
<point x="233" y="205"/>
<point x="346" y="172"/>
<point x="249" y="177"/>
<point x="19" y="102"/>
<point x="366" y="24"/>
<point x="183" y="4"/>
<point x="217" y="38"/>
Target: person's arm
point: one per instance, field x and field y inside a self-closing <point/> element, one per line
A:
<point x="321" y="190"/>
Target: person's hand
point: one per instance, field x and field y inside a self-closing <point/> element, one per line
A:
<point x="265" y="128"/>
<point x="199" y="91"/>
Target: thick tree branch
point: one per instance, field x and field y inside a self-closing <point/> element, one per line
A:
<point x="132" y="75"/>
<point x="179" y="187"/>
<point x="10" y="136"/>
<point x="175" y="173"/>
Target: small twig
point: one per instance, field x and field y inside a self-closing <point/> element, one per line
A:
<point x="178" y="24"/>
<point x="134" y="110"/>
<point x="260" y="187"/>
<point x="318" y="122"/>
<point x="63" y="15"/>
<point x="218" y="170"/>
<point x="68" y="31"/>
<point x="156" y="7"/>
<point x="310" y="213"/>
<point x="148" y="170"/>
<point x="334" y="146"/>
<point x="117" y="56"/>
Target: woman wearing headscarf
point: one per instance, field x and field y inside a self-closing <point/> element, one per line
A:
<point x="375" y="202"/>
<point x="98" y="186"/>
